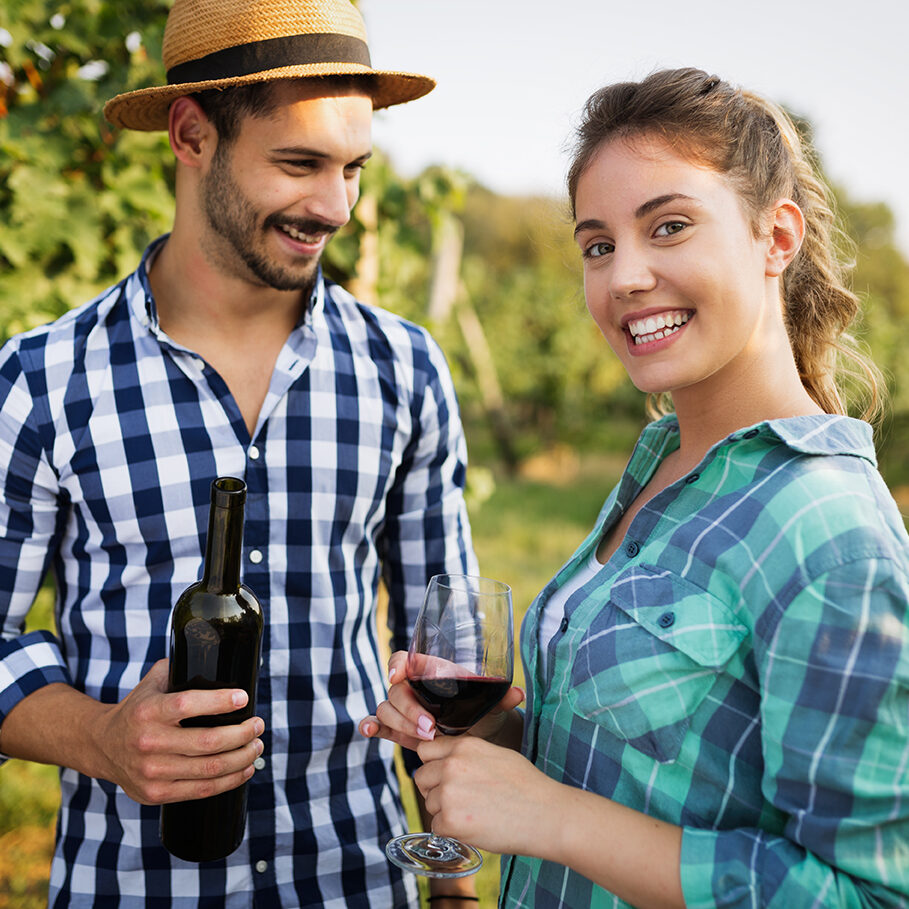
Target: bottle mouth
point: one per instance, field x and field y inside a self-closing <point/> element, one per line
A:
<point x="228" y="491"/>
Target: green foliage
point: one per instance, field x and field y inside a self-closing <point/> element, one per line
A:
<point x="522" y="274"/>
<point x="29" y="795"/>
<point x="881" y="279"/>
<point x="79" y="201"/>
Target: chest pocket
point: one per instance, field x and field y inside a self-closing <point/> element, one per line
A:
<point x="650" y="656"/>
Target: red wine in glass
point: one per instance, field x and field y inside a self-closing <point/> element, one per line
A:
<point x="458" y="702"/>
<point x="459" y="665"/>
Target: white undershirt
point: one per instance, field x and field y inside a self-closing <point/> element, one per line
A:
<point x="554" y="608"/>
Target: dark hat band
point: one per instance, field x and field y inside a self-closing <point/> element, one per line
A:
<point x="272" y="53"/>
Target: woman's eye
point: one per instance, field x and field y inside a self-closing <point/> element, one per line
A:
<point x="670" y="228"/>
<point x="595" y="250"/>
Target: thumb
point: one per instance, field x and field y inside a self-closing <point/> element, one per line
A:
<point x="158" y="676"/>
<point x="513" y="697"/>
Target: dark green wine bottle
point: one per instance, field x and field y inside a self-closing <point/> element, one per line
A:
<point x="216" y="636"/>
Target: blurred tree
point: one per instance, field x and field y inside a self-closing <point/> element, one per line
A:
<point x="881" y="278"/>
<point x="522" y="270"/>
<point x="78" y="200"/>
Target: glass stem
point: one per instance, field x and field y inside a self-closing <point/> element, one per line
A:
<point x="436" y="845"/>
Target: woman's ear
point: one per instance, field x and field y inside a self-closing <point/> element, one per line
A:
<point x="192" y="135"/>
<point x="787" y="230"/>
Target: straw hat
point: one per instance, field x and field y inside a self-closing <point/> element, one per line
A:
<point x="219" y="43"/>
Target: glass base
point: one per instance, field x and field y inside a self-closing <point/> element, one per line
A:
<point x="433" y="856"/>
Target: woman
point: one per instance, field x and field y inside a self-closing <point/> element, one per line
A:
<point x="719" y="677"/>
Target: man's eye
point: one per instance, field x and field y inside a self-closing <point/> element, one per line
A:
<point x="596" y="250"/>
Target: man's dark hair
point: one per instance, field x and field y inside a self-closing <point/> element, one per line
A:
<point x="227" y="107"/>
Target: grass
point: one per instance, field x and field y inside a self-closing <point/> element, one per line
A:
<point x="523" y="530"/>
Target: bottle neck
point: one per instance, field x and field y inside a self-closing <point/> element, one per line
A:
<point x="224" y="546"/>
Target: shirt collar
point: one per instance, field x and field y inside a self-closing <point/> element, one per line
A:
<point x="142" y="301"/>
<point x="817" y="434"/>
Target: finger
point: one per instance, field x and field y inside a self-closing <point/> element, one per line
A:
<point x="404" y="712"/>
<point x="369" y="727"/>
<point x="440" y="747"/>
<point x="209" y="765"/>
<point x="183" y="705"/>
<point x="376" y="730"/>
<point x="397" y="667"/>
<point x="427" y="778"/>
<point x="189" y="789"/>
<point x="513" y="697"/>
<point x="200" y="741"/>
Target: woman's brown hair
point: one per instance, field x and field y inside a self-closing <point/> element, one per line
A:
<point x="755" y="144"/>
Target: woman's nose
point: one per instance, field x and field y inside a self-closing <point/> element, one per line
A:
<point x="630" y="272"/>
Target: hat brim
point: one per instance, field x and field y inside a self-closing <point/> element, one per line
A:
<point x="147" y="108"/>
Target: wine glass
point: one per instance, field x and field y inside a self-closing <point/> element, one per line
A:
<point x="459" y="665"/>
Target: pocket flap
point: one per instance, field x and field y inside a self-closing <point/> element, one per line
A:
<point x="679" y="613"/>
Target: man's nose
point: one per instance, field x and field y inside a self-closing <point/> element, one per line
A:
<point x="333" y="198"/>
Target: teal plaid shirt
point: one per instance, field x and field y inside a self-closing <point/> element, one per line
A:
<point x="739" y="668"/>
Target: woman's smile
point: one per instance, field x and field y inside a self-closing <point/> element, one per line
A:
<point x="657" y="327"/>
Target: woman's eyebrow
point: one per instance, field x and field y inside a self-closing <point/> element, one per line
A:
<point x="589" y="224"/>
<point x="645" y="208"/>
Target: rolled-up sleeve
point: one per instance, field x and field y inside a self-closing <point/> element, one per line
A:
<point x="29" y="528"/>
<point x="834" y="673"/>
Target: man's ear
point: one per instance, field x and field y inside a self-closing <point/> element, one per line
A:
<point x="787" y="230"/>
<point x="192" y="136"/>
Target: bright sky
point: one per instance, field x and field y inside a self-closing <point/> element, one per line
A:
<point x="514" y="74"/>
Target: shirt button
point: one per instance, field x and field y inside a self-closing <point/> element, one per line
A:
<point x="259" y="763"/>
<point x="632" y="549"/>
<point x="199" y="364"/>
<point x="261" y="866"/>
<point x="666" y="620"/>
<point x="254" y="452"/>
<point x="692" y="478"/>
<point x="256" y="556"/>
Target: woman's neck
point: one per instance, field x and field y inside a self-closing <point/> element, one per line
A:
<point x="715" y="409"/>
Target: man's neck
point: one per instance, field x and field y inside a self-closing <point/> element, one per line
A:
<point x="194" y="300"/>
<point x="236" y="326"/>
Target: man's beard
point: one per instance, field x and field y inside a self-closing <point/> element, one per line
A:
<point x="234" y="219"/>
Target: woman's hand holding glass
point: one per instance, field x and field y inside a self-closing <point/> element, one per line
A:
<point x="404" y="720"/>
<point x="458" y="668"/>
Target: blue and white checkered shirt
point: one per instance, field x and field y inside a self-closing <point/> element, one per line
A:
<point x="110" y="436"/>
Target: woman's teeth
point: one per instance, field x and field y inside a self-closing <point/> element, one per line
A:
<point x="653" y="328"/>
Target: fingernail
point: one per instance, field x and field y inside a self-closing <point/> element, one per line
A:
<point x="239" y="698"/>
<point x="424" y="728"/>
<point x="370" y="728"/>
<point x="392" y="673"/>
<point x="259" y="727"/>
<point x="260" y="747"/>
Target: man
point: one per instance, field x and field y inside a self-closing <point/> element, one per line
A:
<point x="228" y="353"/>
